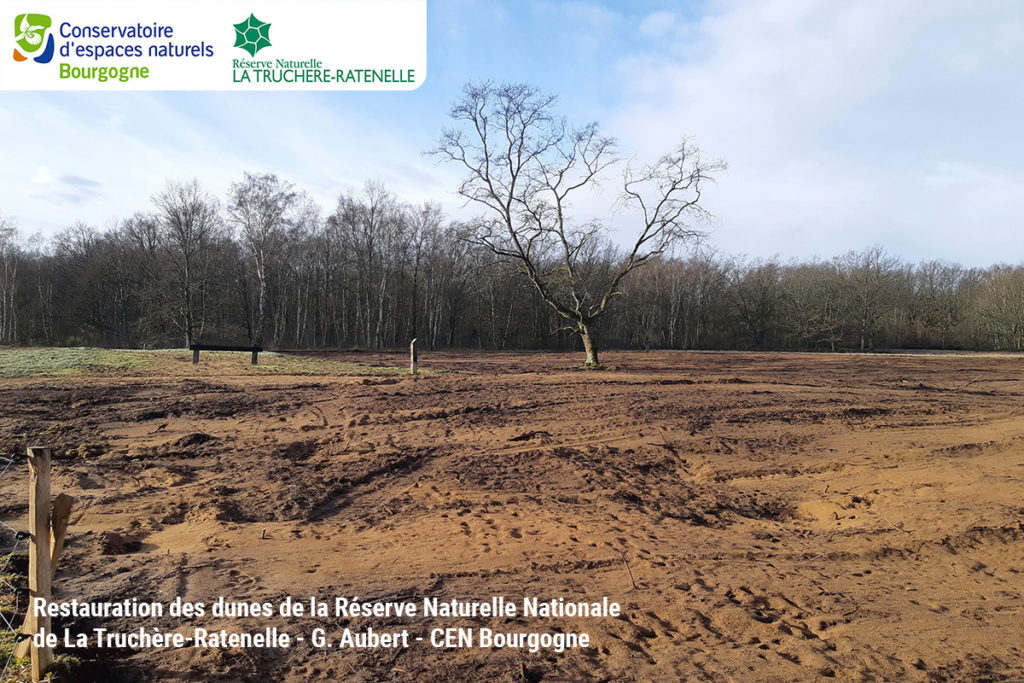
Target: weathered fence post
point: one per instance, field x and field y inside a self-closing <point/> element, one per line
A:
<point x="61" y="513"/>
<point x="40" y="574"/>
<point x="195" y="356"/>
<point x="412" y="356"/>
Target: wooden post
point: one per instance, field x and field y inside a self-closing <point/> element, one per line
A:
<point x="195" y="356"/>
<point x="59" y="516"/>
<point x="255" y="356"/>
<point x="39" y="570"/>
<point x="412" y="356"/>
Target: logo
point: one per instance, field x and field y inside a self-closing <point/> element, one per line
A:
<point x="33" y="38"/>
<point x="252" y="35"/>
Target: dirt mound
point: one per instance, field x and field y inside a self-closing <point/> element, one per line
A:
<point x="758" y="517"/>
<point x="113" y="543"/>
<point x="193" y="439"/>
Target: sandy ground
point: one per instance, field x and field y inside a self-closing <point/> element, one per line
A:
<point x="784" y="517"/>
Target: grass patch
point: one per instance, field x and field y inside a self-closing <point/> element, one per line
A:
<point x="19" y="670"/>
<point x="63" y="362"/>
<point x="58" y="362"/>
<point x="14" y="573"/>
<point x="14" y="569"/>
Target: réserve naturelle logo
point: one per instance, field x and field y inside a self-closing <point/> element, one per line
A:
<point x="252" y="35"/>
<point x="33" y="38"/>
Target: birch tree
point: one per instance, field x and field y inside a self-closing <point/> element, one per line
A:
<point x="10" y="258"/>
<point x="258" y="206"/>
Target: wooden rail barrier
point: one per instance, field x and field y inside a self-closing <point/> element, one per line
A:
<point x="196" y="348"/>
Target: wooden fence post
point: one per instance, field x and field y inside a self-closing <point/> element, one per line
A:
<point x="40" y="574"/>
<point x="59" y="519"/>
<point x="412" y="357"/>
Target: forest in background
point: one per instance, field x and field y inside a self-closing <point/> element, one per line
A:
<point x="267" y="265"/>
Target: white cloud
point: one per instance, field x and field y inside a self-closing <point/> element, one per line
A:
<point x="844" y="124"/>
<point x="130" y="145"/>
<point x="43" y="176"/>
<point x="658" y="24"/>
<point x="837" y="119"/>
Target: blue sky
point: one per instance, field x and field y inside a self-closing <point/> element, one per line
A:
<point x="844" y="124"/>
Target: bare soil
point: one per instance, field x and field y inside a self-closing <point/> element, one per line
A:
<point x="784" y="517"/>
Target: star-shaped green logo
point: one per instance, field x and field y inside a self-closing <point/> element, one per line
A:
<point x="252" y="35"/>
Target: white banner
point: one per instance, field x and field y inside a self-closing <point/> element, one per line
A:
<point x="213" y="45"/>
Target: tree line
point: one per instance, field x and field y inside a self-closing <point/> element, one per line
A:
<point x="267" y="265"/>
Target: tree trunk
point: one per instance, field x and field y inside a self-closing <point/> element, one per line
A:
<point x="589" y="346"/>
<point x="261" y="299"/>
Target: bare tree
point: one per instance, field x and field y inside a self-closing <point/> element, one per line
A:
<point x="1001" y="312"/>
<point x="938" y="298"/>
<point x="10" y="258"/>
<point x="189" y="219"/>
<point x="299" y="269"/>
<point x="424" y="228"/>
<point x="143" y="237"/>
<point x="702" y="289"/>
<point x="756" y="294"/>
<point x="814" y="301"/>
<point x="369" y="228"/>
<point x="526" y="164"/>
<point x="379" y="271"/>
<point x="871" y="277"/>
<point x="258" y="206"/>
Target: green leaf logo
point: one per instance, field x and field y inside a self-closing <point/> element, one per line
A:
<point x="252" y="35"/>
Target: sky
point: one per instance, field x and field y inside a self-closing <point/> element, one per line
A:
<point x="844" y="124"/>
